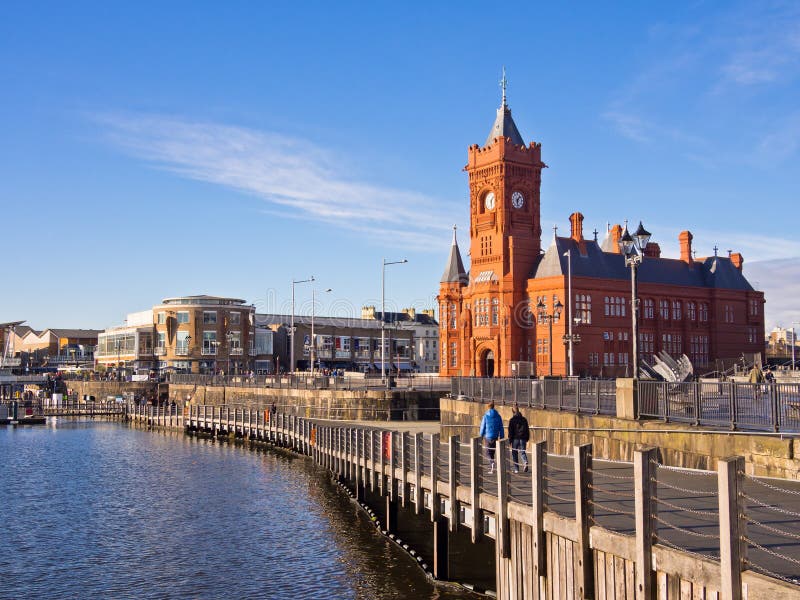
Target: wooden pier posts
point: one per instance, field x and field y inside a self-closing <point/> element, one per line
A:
<point x="503" y="536"/>
<point x="391" y="496"/>
<point x="453" y="452"/>
<point x="584" y="571"/>
<point x="644" y="492"/>
<point x="732" y="526"/>
<point x="419" y="495"/>
<point x="475" y="489"/>
<point x="538" y="463"/>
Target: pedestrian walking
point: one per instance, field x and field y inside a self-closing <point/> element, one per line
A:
<point x="491" y="431"/>
<point x="755" y="375"/>
<point x="519" y="433"/>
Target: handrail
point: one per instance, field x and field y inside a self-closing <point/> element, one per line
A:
<point x="735" y="405"/>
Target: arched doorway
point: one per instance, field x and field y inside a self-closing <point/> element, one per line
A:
<point x="488" y="364"/>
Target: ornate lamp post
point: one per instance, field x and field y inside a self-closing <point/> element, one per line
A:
<point x="189" y="352"/>
<point x="632" y="248"/>
<point x="541" y="308"/>
<point x="229" y="337"/>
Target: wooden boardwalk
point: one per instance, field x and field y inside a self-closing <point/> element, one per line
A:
<point x="572" y="527"/>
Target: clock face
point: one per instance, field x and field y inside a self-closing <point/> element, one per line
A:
<point x="517" y="200"/>
<point x="489" y="202"/>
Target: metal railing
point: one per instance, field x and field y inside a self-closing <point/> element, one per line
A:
<point x="70" y="406"/>
<point x="307" y="382"/>
<point x="756" y="406"/>
<point x="590" y="396"/>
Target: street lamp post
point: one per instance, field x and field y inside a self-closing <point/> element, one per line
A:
<point x="118" y="349"/>
<point x="229" y="337"/>
<point x="570" y="307"/>
<point x="189" y="352"/>
<point x="312" y="350"/>
<point x="794" y="343"/>
<point x="383" y="312"/>
<point x="633" y="247"/>
<point x="541" y="307"/>
<point x="291" y="333"/>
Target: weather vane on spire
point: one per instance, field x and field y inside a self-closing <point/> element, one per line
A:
<point x="503" y="86"/>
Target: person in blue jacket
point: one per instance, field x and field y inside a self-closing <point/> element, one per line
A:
<point x="491" y="431"/>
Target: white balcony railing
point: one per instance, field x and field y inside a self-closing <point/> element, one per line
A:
<point x="60" y="359"/>
<point x="159" y="351"/>
<point x="181" y="351"/>
<point x="212" y="351"/>
<point x="236" y="351"/>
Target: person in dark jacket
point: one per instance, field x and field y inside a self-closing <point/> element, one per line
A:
<point x="519" y="433"/>
<point x="491" y="431"/>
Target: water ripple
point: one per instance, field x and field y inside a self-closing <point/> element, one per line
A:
<point x="99" y="509"/>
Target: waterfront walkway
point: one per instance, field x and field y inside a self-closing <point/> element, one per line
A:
<point x="693" y="530"/>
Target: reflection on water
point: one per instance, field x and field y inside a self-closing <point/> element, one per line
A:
<point x="99" y="509"/>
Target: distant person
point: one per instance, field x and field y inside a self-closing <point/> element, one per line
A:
<point x="769" y="377"/>
<point x="519" y="433"/>
<point x="755" y="375"/>
<point x="491" y="431"/>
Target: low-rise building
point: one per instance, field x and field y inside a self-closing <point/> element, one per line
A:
<point x="188" y="334"/>
<point x="425" y="328"/>
<point x="204" y="334"/>
<point x="128" y="348"/>
<point x="344" y="343"/>
<point x="54" y="347"/>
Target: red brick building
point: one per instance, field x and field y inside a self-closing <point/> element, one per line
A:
<point x="701" y="307"/>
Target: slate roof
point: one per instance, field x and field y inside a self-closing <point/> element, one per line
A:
<point x="504" y="126"/>
<point x="713" y="272"/>
<point x="23" y="330"/>
<point x="75" y="333"/>
<point x="353" y="322"/>
<point x="454" y="270"/>
<point x="419" y="318"/>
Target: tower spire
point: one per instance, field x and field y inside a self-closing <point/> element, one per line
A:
<point x="454" y="270"/>
<point x="504" y="125"/>
<point x="503" y="86"/>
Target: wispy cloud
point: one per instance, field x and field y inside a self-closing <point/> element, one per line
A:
<point x="694" y="80"/>
<point x="295" y="177"/>
<point x="765" y="45"/>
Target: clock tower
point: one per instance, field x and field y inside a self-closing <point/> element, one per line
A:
<point x="505" y="241"/>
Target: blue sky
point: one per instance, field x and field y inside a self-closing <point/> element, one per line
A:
<point x="160" y="149"/>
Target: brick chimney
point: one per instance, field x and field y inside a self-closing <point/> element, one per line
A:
<point x="653" y="250"/>
<point x="737" y="259"/>
<point x="685" y="239"/>
<point x="576" y="226"/>
<point x="615" y="236"/>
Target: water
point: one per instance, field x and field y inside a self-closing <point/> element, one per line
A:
<point x="95" y="509"/>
